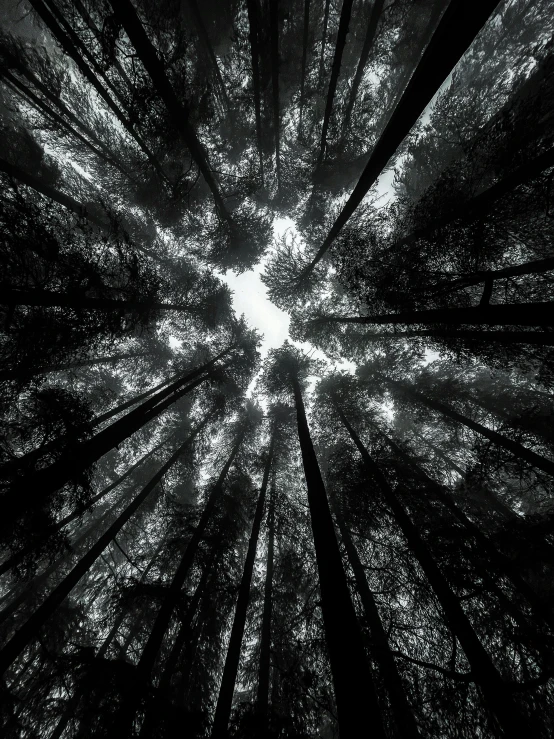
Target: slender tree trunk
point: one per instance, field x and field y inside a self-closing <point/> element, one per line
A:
<point x="401" y="709"/>
<point x="274" y="40"/>
<point x="225" y="697"/>
<point x="125" y="12"/>
<point x="323" y="43"/>
<point x="262" y="699"/>
<point x="535" y="338"/>
<point x="335" y="71"/>
<point x="457" y="28"/>
<point x="32" y="627"/>
<point x="147" y="660"/>
<point x="518" y="450"/>
<point x="355" y="695"/>
<point x="494" y="690"/>
<point x="522" y="422"/>
<point x="254" y="36"/>
<point x="70" y="49"/>
<point x="506" y="314"/>
<point x="77" y="301"/>
<point x="74" y="462"/>
<point x="305" y="37"/>
<point x="372" y="23"/>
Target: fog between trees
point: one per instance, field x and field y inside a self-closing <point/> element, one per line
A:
<point x="201" y="538"/>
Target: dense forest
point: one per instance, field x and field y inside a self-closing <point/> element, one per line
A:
<point x="347" y="535"/>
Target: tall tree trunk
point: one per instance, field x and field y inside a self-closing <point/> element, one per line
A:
<point x="274" y="41"/>
<point x="400" y="707"/>
<point x="457" y="28"/>
<point x="32" y="627"/>
<point x="506" y="314"/>
<point x="125" y="12"/>
<point x="254" y="37"/>
<point x="262" y="698"/>
<point x="49" y="298"/>
<point x="230" y="670"/>
<point x="335" y="70"/>
<point x="355" y="695"/>
<point x="514" y="419"/>
<point x="495" y="691"/>
<point x="323" y="43"/>
<point x="71" y="50"/>
<point x="305" y="37"/>
<point x="518" y="450"/>
<point x="74" y="462"/>
<point x="149" y="655"/>
<point x="372" y="23"/>
<point x="16" y="558"/>
<point x="535" y="338"/>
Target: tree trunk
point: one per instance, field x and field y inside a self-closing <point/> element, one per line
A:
<point x="305" y="37"/>
<point x="254" y="36"/>
<point x="32" y="627"/>
<point x="147" y="660"/>
<point x="355" y="695"/>
<point x="262" y="699"/>
<point x="400" y="707"/>
<point x="76" y="301"/>
<point x="506" y="314"/>
<point x="74" y="462"/>
<point x="514" y="419"/>
<point x="335" y="70"/>
<point x="225" y="697"/>
<point x="518" y="450"/>
<point x="125" y="12"/>
<point x="494" y="690"/>
<point x="70" y="49"/>
<point x="456" y="30"/>
<point x="274" y="40"/>
<point x="535" y="338"/>
<point x="372" y="23"/>
<point x="7" y="565"/>
<point x="323" y="42"/>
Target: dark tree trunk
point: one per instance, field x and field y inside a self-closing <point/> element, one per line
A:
<point x="262" y="699"/>
<point x="32" y="627"/>
<point x="401" y="709"/>
<point x="373" y="21"/>
<point x="274" y="41"/>
<point x="525" y="422"/>
<point x="538" y="338"/>
<point x="73" y="463"/>
<point x="227" y="688"/>
<point x="506" y="314"/>
<point x="457" y="28"/>
<point x="494" y="690"/>
<point x="77" y="301"/>
<point x="518" y="450"/>
<point x="323" y="42"/>
<point x="335" y="71"/>
<point x="305" y="37"/>
<point x="149" y="655"/>
<point x="254" y="37"/>
<point x="71" y="50"/>
<point x="125" y="12"/>
<point x="355" y="695"/>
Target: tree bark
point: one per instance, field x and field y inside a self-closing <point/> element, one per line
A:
<point x="305" y="37"/>
<point x="262" y="698"/>
<point x="274" y="40"/>
<point x="536" y="338"/>
<point x="506" y="314"/>
<point x="518" y="450"/>
<point x="254" y="37"/>
<point x="401" y="709"/>
<point x="355" y="695"/>
<point x="494" y="690"/>
<point x="457" y="28"/>
<point x="372" y="23"/>
<point x="335" y="71"/>
<point x="323" y="42"/>
<point x="230" y="670"/>
<point x="125" y="12"/>
<point x="32" y="627"/>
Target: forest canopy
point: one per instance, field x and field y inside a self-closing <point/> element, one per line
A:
<point x="210" y="533"/>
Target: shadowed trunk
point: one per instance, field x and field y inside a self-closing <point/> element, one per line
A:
<point x="536" y="338"/>
<point x="274" y="41"/>
<point x="254" y="37"/>
<point x="305" y="36"/>
<point x="262" y="698"/>
<point x="323" y="42"/>
<point x="354" y="690"/>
